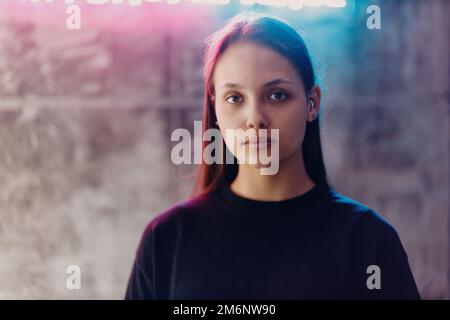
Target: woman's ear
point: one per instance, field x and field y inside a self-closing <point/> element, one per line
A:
<point x="314" y="103"/>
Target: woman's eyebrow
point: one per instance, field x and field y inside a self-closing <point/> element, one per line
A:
<point x="267" y="84"/>
<point x="277" y="81"/>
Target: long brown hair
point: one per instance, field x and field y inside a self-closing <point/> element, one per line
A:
<point x="281" y="37"/>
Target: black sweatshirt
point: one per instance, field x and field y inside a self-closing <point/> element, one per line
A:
<point x="318" y="245"/>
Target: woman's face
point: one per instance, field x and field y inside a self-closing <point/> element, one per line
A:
<point x="257" y="88"/>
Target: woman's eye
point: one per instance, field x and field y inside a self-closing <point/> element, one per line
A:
<point x="233" y="99"/>
<point x="278" y="96"/>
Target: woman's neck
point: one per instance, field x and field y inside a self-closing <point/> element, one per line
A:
<point x="291" y="180"/>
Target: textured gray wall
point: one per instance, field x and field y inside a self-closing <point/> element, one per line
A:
<point x="86" y="117"/>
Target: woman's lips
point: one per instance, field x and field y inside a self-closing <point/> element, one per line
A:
<point x="258" y="143"/>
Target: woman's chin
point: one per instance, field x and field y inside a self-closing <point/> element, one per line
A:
<point x="257" y="165"/>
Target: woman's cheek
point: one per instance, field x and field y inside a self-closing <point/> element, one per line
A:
<point x="290" y="140"/>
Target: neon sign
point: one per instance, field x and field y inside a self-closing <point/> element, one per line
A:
<point x="293" y="4"/>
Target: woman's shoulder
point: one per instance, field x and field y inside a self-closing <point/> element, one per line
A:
<point x="175" y="213"/>
<point x="166" y="226"/>
<point x="358" y="213"/>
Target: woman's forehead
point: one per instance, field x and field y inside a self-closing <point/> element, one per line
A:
<point x="252" y="65"/>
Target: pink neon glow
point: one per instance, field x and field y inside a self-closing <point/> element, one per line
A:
<point x="106" y="17"/>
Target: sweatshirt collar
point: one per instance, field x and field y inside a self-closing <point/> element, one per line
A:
<point x="240" y="203"/>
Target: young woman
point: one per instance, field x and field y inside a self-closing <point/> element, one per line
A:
<point x="289" y="235"/>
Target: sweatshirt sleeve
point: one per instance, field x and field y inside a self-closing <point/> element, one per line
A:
<point x="151" y="274"/>
<point x="388" y="274"/>
<point x="397" y="281"/>
<point x="141" y="281"/>
<point x="139" y="285"/>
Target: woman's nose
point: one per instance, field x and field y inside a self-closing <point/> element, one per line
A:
<point x="257" y="117"/>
